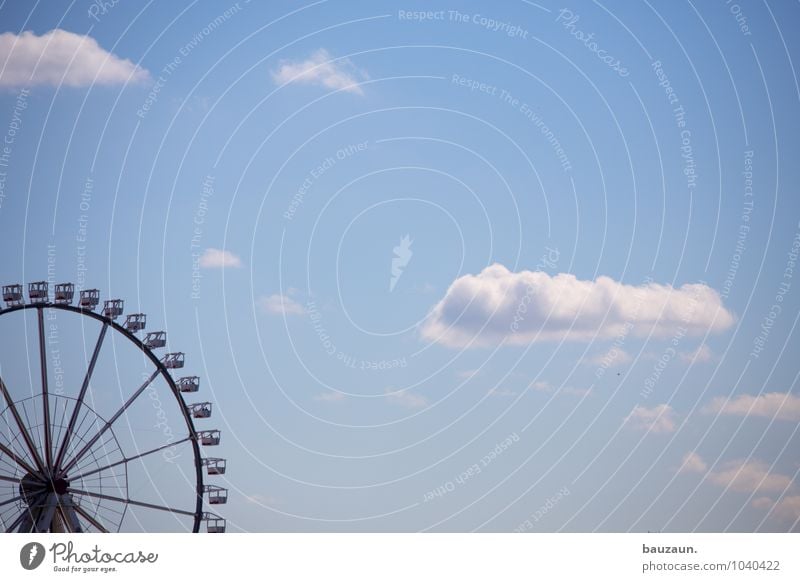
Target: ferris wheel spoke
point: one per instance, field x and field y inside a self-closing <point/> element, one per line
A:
<point x="16" y="523"/>
<point x="48" y="437"/>
<point x="129" y="459"/>
<point x="96" y="524"/>
<point x="22" y="429"/>
<point x="88" y="446"/>
<point x="76" y="411"/>
<point x="9" y="501"/>
<point x="19" y="460"/>
<point x="132" y="502"/>
<point x="10" y="479"/>
<point x="26" y="512"/>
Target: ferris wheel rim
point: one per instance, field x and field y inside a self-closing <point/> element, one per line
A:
<point x="199" y="513"/>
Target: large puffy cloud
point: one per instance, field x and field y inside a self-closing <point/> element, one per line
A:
<point x="519" y="308"/>
<point x="321" y="69"/>
<point x="61" y="57"/>
<point x="778" y="405"/>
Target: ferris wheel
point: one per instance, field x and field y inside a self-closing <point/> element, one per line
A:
<point x="95" y="435"/>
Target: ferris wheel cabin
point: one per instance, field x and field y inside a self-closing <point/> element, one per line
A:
<point x="216" y="495"/>
<point x="89" y="299"/>
<point x="12" y="295"/>
<point x="208" y="438"/>
<point x="200" y="409"/>
<point x="38" y="292"/>
<point x="214" y="466"/>
<point x="64" y="293"/>
<point x="113" y="308"/>
<point x="188" y="384"/>
<point x="135" y="322"/>
<point x="214" y="523"/>
<point x="155" y="339"/>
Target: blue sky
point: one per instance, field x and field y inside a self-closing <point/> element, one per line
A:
<point x="444" y="267"/>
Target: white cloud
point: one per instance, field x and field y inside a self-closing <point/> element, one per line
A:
<point x="60" y="57"/>
<point x="659" y="419"/>
<point x="330" y="396"/>
<point x="778" y="405"/>
<point x="497" y="391"/>
<point x="693" y="463"/>
<point x="612" y="358"/>
<point x="279" y="304"/>
<point x="787" y="509"/>
<point x="749" y="476"/>
<point x="541" y="386"/>
<point x="743" y="476"/>
<point x="544" y="386"/>
<point x="406" y="399"/>
<point x="321" y="69"/>
<point x="219" y="259"/>
<point x="700" y="355"/>
<point x="497" y="305"/>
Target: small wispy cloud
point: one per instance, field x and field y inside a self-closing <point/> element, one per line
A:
<point x="693" y="463"/>
<point x="406" y="399"/>
<point x="544" y="386"/>
<point x="658" y="419"/>
<point x="610" y="359"/>
<point x="59" y="58"/>
<point x="218" y="259"/>
<point x="280" y="304"/>
<point x="322" y="69"/>
<point x="330" y="396"/>
<point x="541" y="386"/>
<point x="749" y="476"/>
<point x="498" y="391"/>
<point x="777" y="405"/>
<point x="740" y="475"/>
<point x="787" y="509"/>
<point x="701" y="355"/>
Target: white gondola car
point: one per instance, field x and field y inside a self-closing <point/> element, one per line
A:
<point x="135" y="322"/>
<point x="216" y="495"/>
<point x="155" y="339"/>
<point x="89" y="299"/>
<point x="12" y="295"/>
<point x="113" y="308"/>
<point x="173" y="360"/>
<point x="208" y="438"/>
<point x="214" y="523"/>
<point x="215" y="466"/>
<point x="64" y="293"/>
<point x="200" y="409"/>
<point x="38" y="292"/>
<point x="188" y="384"/>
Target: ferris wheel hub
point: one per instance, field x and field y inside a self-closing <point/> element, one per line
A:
<point x="34" y="484"/>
